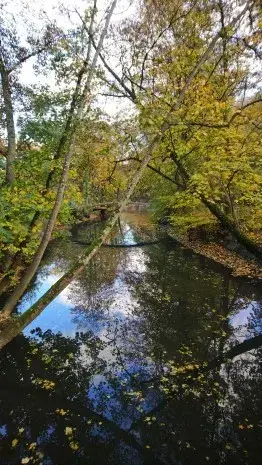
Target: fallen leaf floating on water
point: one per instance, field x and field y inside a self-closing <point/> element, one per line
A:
<point x="74" y="445"/>
<point x="32" y="446"/>
<point x="68" y="431"/>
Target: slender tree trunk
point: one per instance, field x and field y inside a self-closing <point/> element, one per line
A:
<point x="26" y="279"/>
<point x="232" y="208"/>
<point x="31" y="270"/>
<point x="10" y="154"/>
<point x="10" y="124"/>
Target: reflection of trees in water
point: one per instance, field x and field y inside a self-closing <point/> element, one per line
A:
<point x="135" y="227"/>
<point x="27" y="371"/>
<point x="93" y="293"/>
<point x="49" y="408"/>
<point x="183" y="301"/>
<point x="254" y="324"/>
<point x="207" y="421"/>
<point x="189" y="323"/>
<point x="180" y="313"/>
<point x="98" y="413"/>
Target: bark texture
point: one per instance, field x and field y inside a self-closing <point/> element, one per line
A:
<point x="10" y="123"/>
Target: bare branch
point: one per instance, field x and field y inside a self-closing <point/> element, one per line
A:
<point x="171" y="22"/>
<point x="130" y="92"/>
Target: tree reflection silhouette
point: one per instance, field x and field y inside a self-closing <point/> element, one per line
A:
<point x="147" y="382"/>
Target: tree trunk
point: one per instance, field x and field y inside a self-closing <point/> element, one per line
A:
<point x="223" y="219"/>
<point x="26" y="279"/>
<point x="10" y="124"/>
<point x="230" y="226"/>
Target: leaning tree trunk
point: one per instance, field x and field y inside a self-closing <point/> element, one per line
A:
<point x="10" y="153"/>
<point x="230" y="226"/>
<point x="31" y="270"/>
<point x="223" y="219"/>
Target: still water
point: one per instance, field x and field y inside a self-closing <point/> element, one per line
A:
<point x="123" y="367"/>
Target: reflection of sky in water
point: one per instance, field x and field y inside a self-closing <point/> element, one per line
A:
<point x="241" y="318"/>
<point x="129" y="237"/>
<point x="59" y="316"/>
<point x="112" y="403"/>
<point x="3" y="430"/>
<point x="240" y="322"/>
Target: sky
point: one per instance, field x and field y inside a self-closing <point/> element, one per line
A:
<point x="51" y="10"/>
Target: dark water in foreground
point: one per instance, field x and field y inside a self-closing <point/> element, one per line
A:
<point x="112" y="371"/>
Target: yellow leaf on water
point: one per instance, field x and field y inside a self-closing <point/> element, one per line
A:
<point x="68" y="430"/>
<point x="32" y="446"/>
<point x="74" y="445"/>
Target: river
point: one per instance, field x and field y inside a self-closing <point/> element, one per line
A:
<point x="117" y="370"/>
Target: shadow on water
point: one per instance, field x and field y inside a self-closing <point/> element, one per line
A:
<point x="119" y="368"/>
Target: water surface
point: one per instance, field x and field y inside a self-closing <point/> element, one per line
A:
<point x="116" y="368"/>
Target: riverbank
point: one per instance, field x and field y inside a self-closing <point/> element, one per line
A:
<point x="238" y="265"/>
